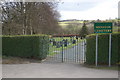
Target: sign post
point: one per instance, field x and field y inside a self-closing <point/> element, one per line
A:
<point x="96" y="58"/>
<point x="62" y="51"/>
<point x="109" y="50"/>
<point x="103" y="27"/>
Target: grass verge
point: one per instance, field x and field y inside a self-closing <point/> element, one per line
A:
<point x="102" y="67"/>
<point x="18" y="60"/>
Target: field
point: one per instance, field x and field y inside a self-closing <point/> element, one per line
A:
<point x="66" y="23"/>
<point x="115" y="28"/>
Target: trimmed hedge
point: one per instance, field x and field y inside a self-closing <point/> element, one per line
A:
<point x="34" y="46"/>
<point x="103" y="49"/>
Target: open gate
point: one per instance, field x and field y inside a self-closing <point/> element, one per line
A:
<point x="70" y="49"/>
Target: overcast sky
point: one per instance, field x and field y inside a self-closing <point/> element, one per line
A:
<point x="88" y="9"/>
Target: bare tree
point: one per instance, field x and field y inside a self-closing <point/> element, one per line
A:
<point x="30" y="18"/>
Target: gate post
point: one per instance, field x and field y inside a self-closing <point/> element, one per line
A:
<point x="62" y="51"/>
<point x="83" y="51"/>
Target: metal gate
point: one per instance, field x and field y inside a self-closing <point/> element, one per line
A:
<point x="67" y="49"/>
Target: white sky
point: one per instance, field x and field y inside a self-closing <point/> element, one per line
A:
<point x="88" y="9"/>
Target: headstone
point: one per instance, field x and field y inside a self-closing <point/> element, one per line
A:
<point x="54" y="43"/>
<point x="77" y="37"/>
<point x="58" y="45"/>
<point x="61" y="43"/>
<point x="74" y="42"/>
<point x="65" y="43"/>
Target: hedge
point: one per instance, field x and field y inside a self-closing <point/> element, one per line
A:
<point x="103" y="49"/>
<point x="34" y="46"/>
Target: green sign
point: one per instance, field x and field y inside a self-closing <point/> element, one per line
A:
<point x="103" y="27"/>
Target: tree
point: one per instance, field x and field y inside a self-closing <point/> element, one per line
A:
<point x="84" y="31"/>
<point x="30" y="18"/>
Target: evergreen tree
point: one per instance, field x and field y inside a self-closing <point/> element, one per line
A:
<point x="84" y="31"/>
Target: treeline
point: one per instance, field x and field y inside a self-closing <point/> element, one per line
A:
<point x="82" y="29"/>
<point x="25" y="18"/>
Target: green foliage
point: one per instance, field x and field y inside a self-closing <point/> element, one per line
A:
<point x="103" y="48"/>
<point x="35" y="46"/>
<point x="84" y="31"/>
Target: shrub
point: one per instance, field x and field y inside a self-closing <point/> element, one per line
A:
<point x="103" y="48"/>
<point x="35" y="46"/>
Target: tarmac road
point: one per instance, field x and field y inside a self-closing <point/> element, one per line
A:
<point x="56" y="70"/>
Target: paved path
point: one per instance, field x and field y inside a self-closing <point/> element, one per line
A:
<point x="56" y="70"/>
